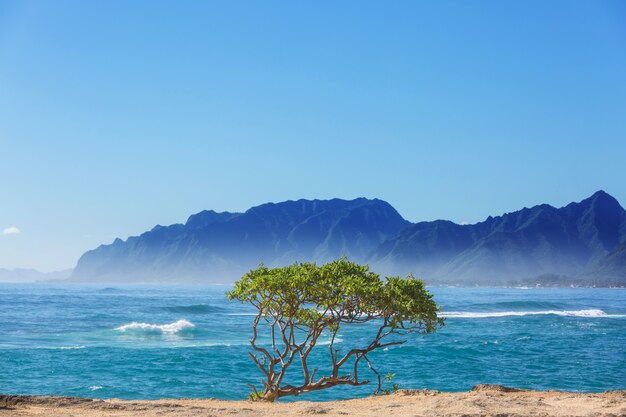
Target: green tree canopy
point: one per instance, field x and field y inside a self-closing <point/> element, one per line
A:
<point x="299" y="303"/>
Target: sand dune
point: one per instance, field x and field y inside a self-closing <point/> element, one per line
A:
<point x="482" y="400"/>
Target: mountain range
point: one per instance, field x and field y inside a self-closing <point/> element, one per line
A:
<point x="583" y="243"/>
<point x="218" y="247"/>
<point x="21" y="275"/>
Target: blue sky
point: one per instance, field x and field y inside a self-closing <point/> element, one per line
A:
<point x="116" y="115"/>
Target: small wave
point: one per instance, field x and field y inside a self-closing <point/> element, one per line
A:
<point x="592" y="313"/>
<point x="326" y="342"/>
<point x="95" y="388"/>
<point x="71" y="347"/>
<point x="194" y="309"/>
<point x="177" y="327"/>
<point x="109" y="289"/>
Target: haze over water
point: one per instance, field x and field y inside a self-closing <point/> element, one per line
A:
<point x="152" y="342"/>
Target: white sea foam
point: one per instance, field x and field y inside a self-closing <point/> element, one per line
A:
<point x="95" y="388"/>
<point x="71" y="347"/>
<point x="591" y="313"/>
<point x="172" y="328"/>
<point x="326" y="342"/>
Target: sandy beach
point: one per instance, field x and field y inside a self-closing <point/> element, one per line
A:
<point x="482" y="400"/>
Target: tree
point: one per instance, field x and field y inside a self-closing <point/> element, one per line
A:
<point x="300" y="303"/>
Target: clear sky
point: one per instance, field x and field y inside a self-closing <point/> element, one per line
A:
<point x="118" y="115"/>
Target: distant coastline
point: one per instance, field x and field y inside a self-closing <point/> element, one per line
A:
<point x="23" y="275"/>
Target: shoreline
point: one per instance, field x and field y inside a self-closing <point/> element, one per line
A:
<point x="482" y="400"/>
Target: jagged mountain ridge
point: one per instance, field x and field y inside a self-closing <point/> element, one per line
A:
<point x="583" y="240"/>
<point x="218" y="247"/>
<point x="573" y="240"/>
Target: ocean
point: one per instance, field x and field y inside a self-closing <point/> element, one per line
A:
<point x="148" y="342"/>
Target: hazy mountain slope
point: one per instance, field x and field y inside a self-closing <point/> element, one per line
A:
<point x="610" y="271"/>
<point x="530" y="242"/>
<point x="423" y="248"/>
<point x="580" y="243"/>
<point x="219" y="247"/>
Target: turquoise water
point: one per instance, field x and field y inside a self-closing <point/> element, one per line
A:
<point x="154" y="342"/>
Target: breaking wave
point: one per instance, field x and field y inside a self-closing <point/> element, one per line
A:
<point x="591" y="313"/>
<point x="178" y="327"/>
<point x="326" y="342"/>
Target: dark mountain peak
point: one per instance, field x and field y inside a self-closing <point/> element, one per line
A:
<point x="600" y="200"/>
<point x="601" y="219"/>
<point x="601" y="194"/>
<point x="604" y="201"/>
